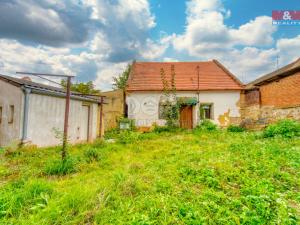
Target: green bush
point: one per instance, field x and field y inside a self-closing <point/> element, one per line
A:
<point x="112" y="134"/>
<point x="235" y="128"/>
<point x="286" y="128"/>
<point x="127" y="137"/>
<point x="61" y="167"/>
<point x="92" y="154"/>
<point x="207" y="125"/>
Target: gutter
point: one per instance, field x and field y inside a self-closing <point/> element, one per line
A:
<point x="58" y="94"/>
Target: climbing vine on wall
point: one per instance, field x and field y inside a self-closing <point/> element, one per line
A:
<point x="171" y="109"/>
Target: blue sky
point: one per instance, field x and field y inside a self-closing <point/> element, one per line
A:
<point x="96" y="39"/>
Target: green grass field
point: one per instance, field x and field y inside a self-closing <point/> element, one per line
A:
<point x="195" y="177"/>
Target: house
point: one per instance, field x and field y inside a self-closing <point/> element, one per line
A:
<point x="273" y="97"/>
<point x="206" y="90"/>
<point x="34" y="113"/>
<point x="113" y="108"/>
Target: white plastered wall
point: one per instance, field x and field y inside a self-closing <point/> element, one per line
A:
<point x="10" y="95"/>
<point x="46" y="114"/>
<point x="143" y="106"/>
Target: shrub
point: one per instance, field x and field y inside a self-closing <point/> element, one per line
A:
<point x="92" y="154"/>
<point x="207" y="125"/>
<point x="61" y="167"/>
<point x="127" y="137"/>
<point x="112" y="134"/>
<point x="286" y="128"/>
<point x="235" y="128"/>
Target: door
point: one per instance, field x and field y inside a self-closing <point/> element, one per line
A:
<point x="186" y="117"/>
<point x="85" y="121"/>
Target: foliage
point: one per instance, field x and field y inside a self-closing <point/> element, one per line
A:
<point x="120" y="81"/>
<point x="207" y="125"/>
<point x="82" y="87"/>
<point x="171" y="108"/>
<point x="127" y="137"/>
<point x="22" y="196"/>
<point x="131" y="122"/>
<point x="235" y="128"/>
<point x="112" y="134"/>
<point x="61" y="167"/>
<point x="92" y="154"/>
<point x="285" y="128"/>
<point x="159" y="178"/>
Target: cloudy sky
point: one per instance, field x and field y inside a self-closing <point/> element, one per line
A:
<point x="95" y="39"/>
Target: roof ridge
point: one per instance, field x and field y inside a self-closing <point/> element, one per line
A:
<point x="277" y="72"/>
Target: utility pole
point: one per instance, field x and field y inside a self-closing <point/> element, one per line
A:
<point x="66" y="123"/>
<point x="67" y="109"/>
<point x="101" y="115"/>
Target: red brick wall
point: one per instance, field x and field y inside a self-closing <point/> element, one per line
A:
<point x="282" y="93"/>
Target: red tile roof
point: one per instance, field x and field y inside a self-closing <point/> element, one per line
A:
<point x="145" y="76"/>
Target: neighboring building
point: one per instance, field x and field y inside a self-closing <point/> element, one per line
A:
<point x="31" y="112"/>
<point x="273" y="97"/>
<point x="113" y="109"/>
<point x="206" y="87"/>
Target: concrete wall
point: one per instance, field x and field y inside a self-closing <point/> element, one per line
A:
<point x="46" y="114"/>
<point x="144" y="106"/>
<point x="10" y="95"/>
<point x="113" y="109"/>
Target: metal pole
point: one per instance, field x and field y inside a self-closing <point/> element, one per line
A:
<point x="67" y="110"/>
<point x="101" y="115"/>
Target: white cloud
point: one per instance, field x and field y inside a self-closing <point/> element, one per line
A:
<point x="289" y="49"/>
<point x="206" y="31"/>
<point x="206" y="36"/>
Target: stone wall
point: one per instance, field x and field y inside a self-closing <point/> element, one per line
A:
<point x="113" y="109"/>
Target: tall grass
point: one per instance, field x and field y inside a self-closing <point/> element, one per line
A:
<point x="200" y="177"/>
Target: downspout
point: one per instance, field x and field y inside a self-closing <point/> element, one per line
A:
<point x="27" y="92"/>
<point x="198" y="110"/>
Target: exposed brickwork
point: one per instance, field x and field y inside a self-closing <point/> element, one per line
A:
<point x="274" y="101"/>
<point x="282" y="93"/>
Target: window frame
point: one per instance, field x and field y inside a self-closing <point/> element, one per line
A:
<point x="11" y="114"/>
<point x="211" y="105"/>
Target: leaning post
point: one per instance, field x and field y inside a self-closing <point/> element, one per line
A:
<point x="66" y="122"/>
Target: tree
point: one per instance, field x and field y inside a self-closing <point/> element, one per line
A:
<point x="119" y="82"/>
<point x="81" y="87"/>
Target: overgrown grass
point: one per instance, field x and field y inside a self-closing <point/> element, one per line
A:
<point x="199" y="177"/>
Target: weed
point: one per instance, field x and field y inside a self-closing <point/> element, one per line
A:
<point x="235" y="128"/>
<point x="92" y="154"/>
<point x="127" y="137"/>
<point x="286" y="128"/>
<point x="61" y="167"/>
<point x="207" y="125"/>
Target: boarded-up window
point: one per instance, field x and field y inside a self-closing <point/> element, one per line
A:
<point x="0" y="114"/>
<point x="252" y="97"/>
<point x="11" y="114"/>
